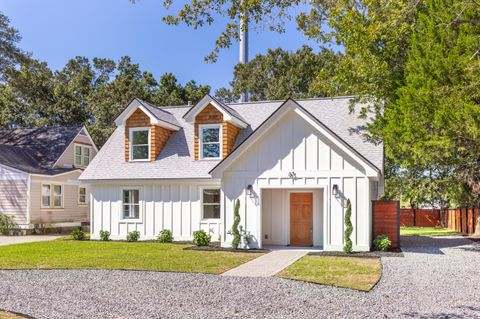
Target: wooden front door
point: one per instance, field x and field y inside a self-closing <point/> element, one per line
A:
<point x="301" y="213"/>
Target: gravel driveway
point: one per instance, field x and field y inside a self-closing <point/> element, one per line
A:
<point x="437" y="278"/>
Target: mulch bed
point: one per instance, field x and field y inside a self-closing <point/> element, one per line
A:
<point x="363" y="254"/>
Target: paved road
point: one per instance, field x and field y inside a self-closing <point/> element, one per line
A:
<point x="10" y="240"/>
<point x="438" y="278"/>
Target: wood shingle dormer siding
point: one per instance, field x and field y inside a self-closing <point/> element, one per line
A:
<point x="211" y="115"/>
<point x="158" y="135"/>
<point x="229" y="136"/>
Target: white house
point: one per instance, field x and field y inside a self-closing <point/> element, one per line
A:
<point x="292" y="164"/>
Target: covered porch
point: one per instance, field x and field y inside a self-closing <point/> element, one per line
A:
<point x="292" y="217"/>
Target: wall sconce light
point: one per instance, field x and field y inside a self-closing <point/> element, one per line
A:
<point x="335" y="190"/>
<point x="249" y="190"/>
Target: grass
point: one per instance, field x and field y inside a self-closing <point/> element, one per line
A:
<point x="69" y="254"/>
<point x="347" y="272"/>
<point x="9" y="315"/>
<point x="427" y="231"/>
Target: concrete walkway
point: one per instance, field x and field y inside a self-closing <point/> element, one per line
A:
<point x="11" y="240"/>
<point x="268" y="264"/>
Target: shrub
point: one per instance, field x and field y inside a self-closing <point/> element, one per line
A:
<point x="105" y="235"/>
<point x="78" y="234"/>
<point x="236" y="220"/>
<point x="165" y="236"/>
<point x="382" y="242"/>
<point x="201" y="238"/>
<point x="133" y="235"/>
<point x="347" y="248"/>
<point x="7" y="224"/>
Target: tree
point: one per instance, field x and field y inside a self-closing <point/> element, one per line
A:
<point x="280" y="74"/>
<point x="432" y="125"/>
<point x="10" y="54"/>
<point x="87" y="93"/>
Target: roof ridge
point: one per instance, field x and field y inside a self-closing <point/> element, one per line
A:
<point x="302" y="99"/>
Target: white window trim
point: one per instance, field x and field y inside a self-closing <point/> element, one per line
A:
<point x="200" y="140"/>
<point x="75" y="154"/>
<point x="201" y="204"/>
<point x="52" y="197"/>
<point x="140" y="206"/>
<point x="86" y="197"/>
<point x="130" y="142"/>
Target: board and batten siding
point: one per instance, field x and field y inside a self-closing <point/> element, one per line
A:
<point x="68" y="157"/>
<point x="176" y="207"/>
<point x="14" y="194"/>
<point x="293" y="145"/>
<point x="72" y="211"/>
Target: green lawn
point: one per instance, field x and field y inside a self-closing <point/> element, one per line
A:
<point x="9" y="315"/>
<point x="427" y="231"/>
<point x="348" y="272"/>
<point x="70" y="254"/>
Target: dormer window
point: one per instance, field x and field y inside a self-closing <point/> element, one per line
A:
<point x="140" y="144"/>
<point x="210" y="141"/>
<point x="82" y="155"/>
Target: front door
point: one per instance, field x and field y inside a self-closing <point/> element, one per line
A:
<point x="301" y="232"/>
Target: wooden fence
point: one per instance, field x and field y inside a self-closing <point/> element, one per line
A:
<point x="386" y="220"/>
<point x="460" y="219"/>
<point x="420" y="217"/>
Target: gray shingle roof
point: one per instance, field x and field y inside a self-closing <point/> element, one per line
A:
<point x="176" y="159"/>
<point x="159" y="113"/>
<point x="35" y="150"/>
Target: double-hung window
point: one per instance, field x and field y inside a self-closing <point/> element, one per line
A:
<point x="211" y="203"/>
<point x="210" y="141"/>
<point x="82" y="195"/>
<point x="82" y="155"/>
<point x="140" y="144"/>
<point x="131" y="204"/>
<point x="52" y="196"/>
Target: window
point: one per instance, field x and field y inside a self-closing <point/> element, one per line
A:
<point x="211" y="203"/>
<point x="210" y="144"/>
<point x="46" y="195"/>
<point x="52" y="194"/>
<point x="82" y="155"/>
<point x="82" y="195"/>
<point x="140" y="144"/>
<point x="131" y="206"/>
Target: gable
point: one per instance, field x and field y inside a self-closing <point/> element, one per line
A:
<point x="228" y="114"/>
<point x="293" y="145"/>
<point x="291" y="106"/>
<point x="67" y="159"/>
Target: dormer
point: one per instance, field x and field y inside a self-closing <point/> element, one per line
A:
<point x="216" y="128"/>
<point x="147" y="129"/>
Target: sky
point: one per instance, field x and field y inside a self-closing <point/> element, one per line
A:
<point x="57" y="30"/>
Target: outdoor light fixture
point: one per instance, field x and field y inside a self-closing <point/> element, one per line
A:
<point x="335" y="190"/>
<point x="249" y="190"/>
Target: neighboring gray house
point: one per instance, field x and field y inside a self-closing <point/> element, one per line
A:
<point x="39" y="168"/>
<point x="292" y="164"/>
